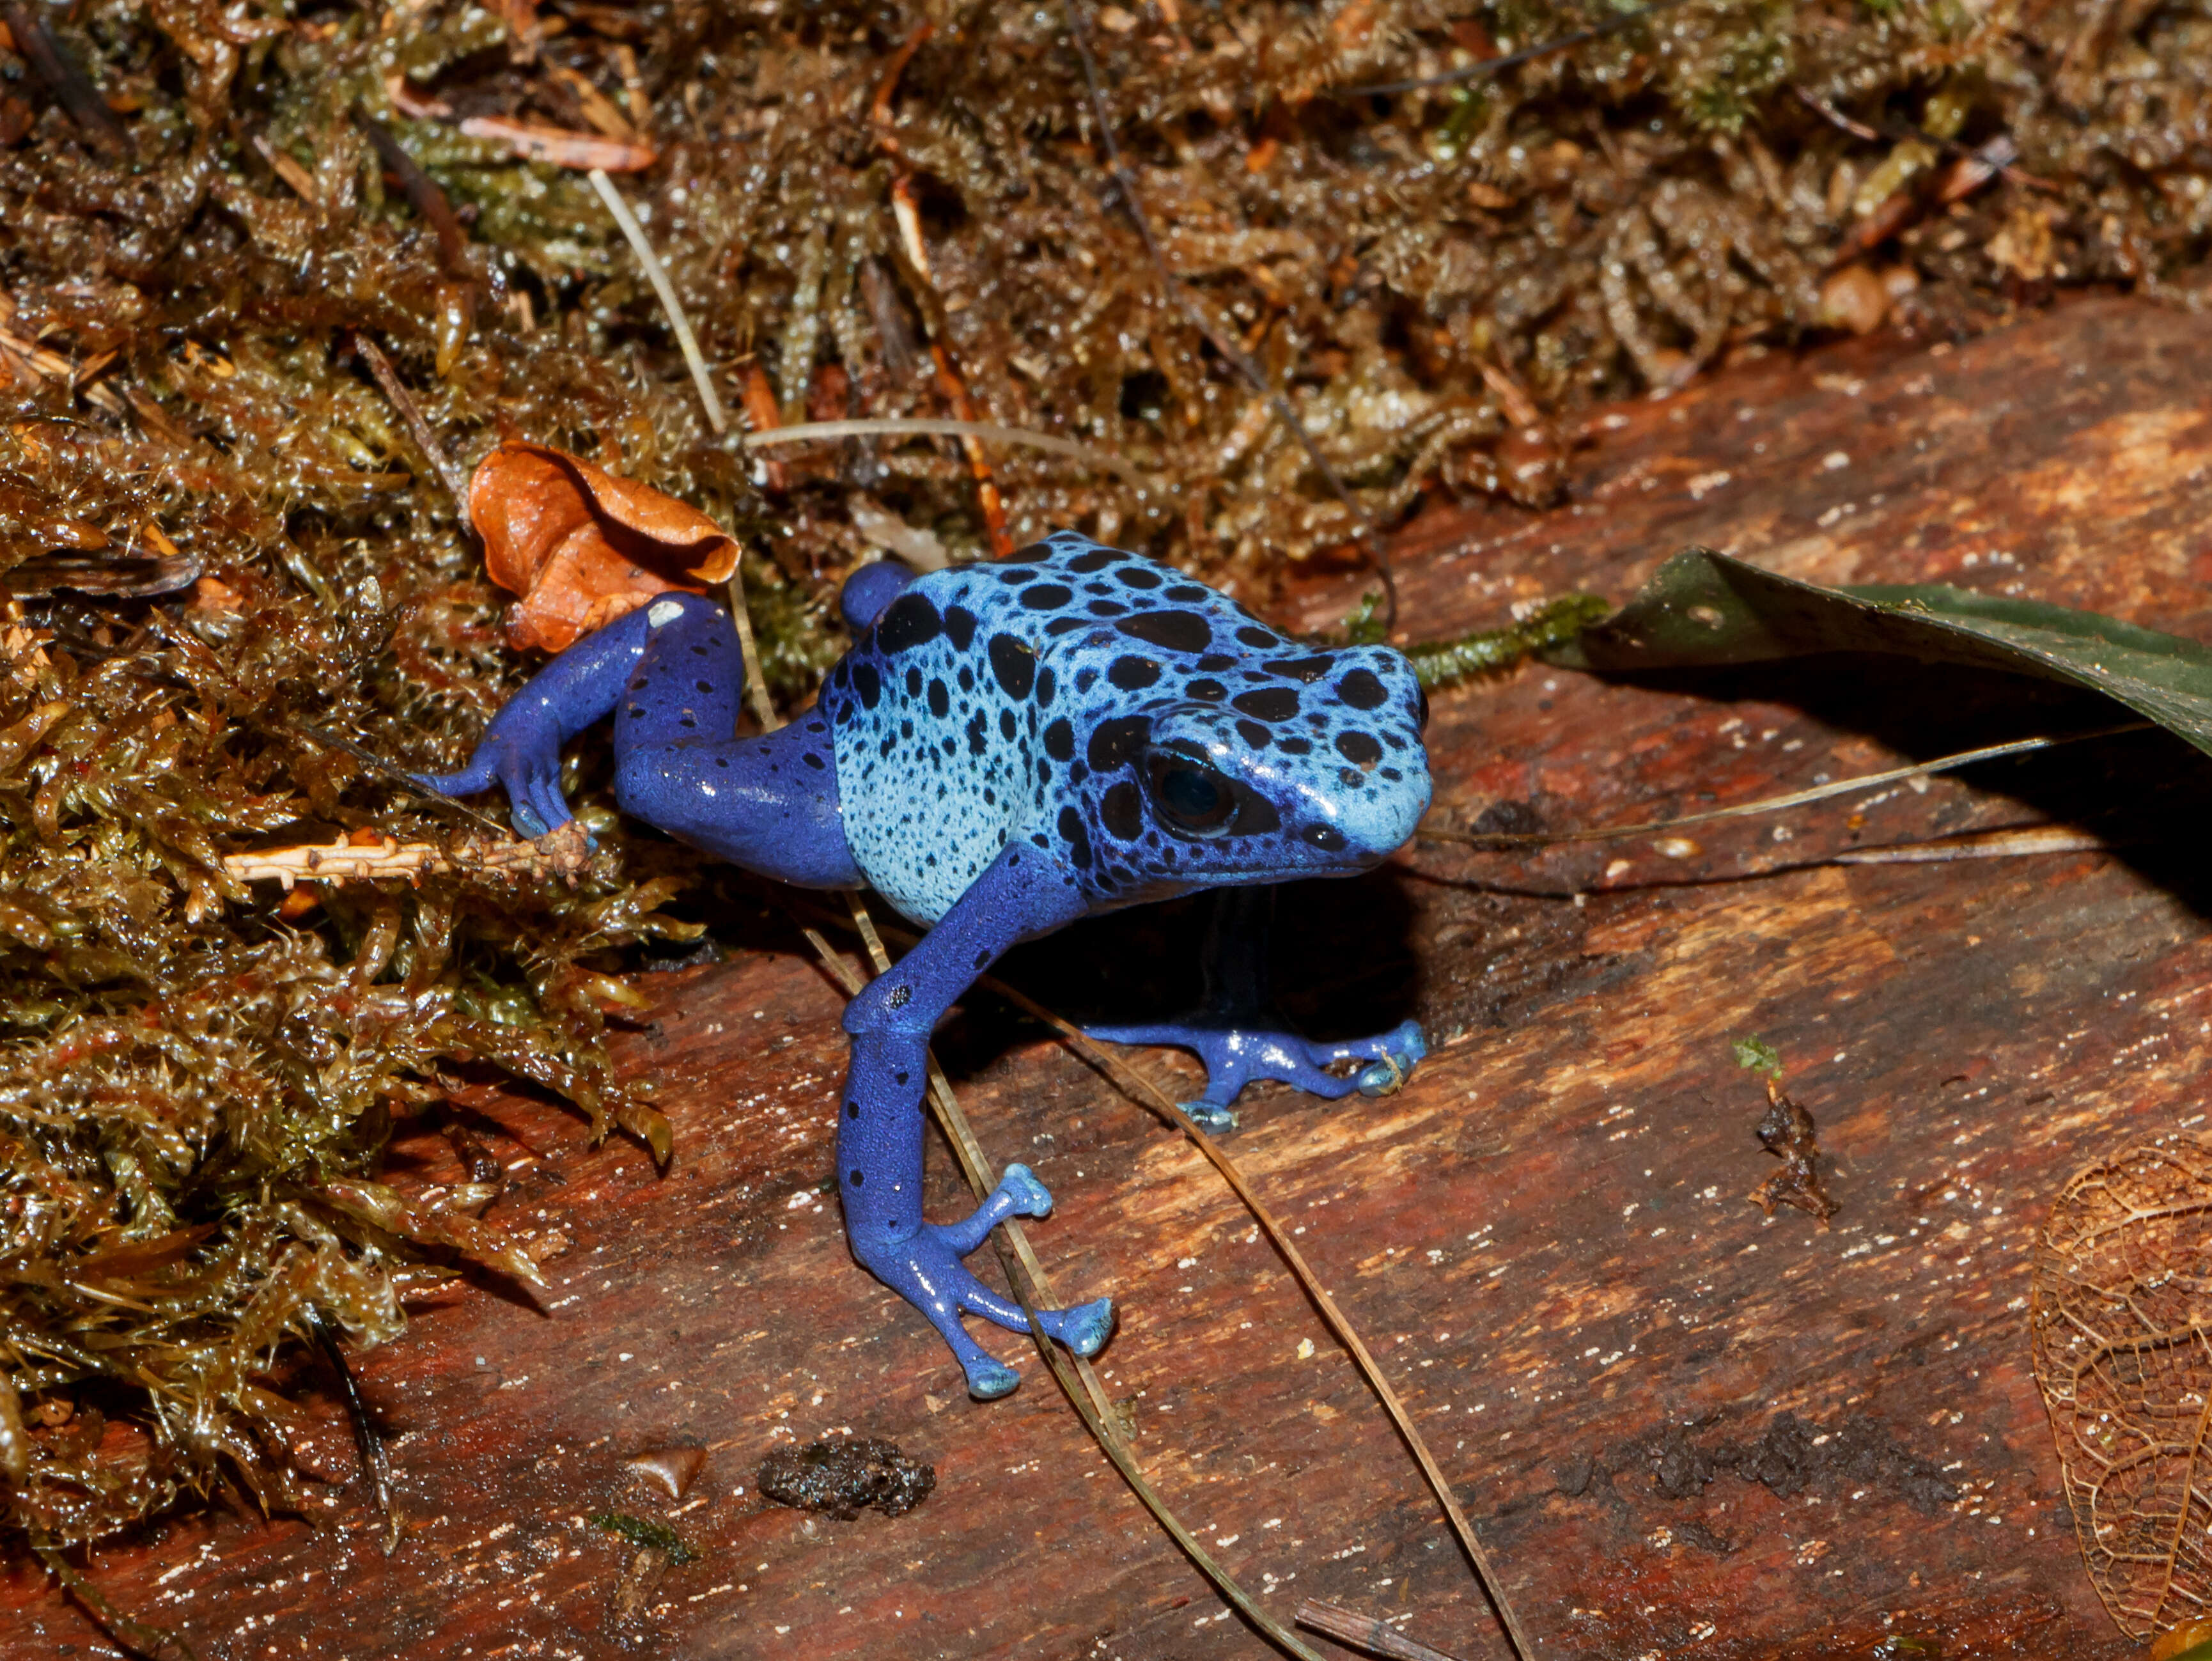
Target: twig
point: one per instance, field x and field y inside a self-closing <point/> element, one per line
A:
<point x="693" y="359"/>
<point x="1775" y="804"/>
<point x="561" y="853"/>
<point x="1141" y="1089"/>
<point x="1125" y="186"/>
<point x="879" y="110"/>
<point x="805" y="432"/>
<point x="559" y="147"/>
<point x="1996" y="156"/>
<point x="1364" y="1631"/>
<point x="1512" y="60"/>
<point x="301" y="181"/>
<point x="2011" y="842"/>
<point x="380" y="365"/>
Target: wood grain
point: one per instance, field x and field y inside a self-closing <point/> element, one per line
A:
<point x="1682" y="1428"/>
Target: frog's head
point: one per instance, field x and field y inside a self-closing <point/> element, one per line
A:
<point x="1309" y="764"/>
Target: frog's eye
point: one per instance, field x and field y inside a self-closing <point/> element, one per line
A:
<point x="1422" y="717"/>
<point x="1190" y="795"/>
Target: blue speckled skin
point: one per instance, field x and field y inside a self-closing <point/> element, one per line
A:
<point x="1006" y="748"/>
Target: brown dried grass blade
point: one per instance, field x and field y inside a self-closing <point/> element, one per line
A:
<point x="1125" y="186"/>
<point x="1143" y="1091"/>
<point x="410" y="413"/>
<point x="688" y="343"/>
<point x="1365" y="1632"/>
<point x="812" y="432"/>
<point x="561" y="146"/>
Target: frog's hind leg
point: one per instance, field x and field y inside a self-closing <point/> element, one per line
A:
<point x="768" y="804"/>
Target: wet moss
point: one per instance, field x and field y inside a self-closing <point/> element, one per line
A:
<point x="199" y="1088"/>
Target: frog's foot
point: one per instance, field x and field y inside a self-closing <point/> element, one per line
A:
<point x="1235" y="1055"/>
<point x="925" y="1268"/>
<point x="526" y="760"/>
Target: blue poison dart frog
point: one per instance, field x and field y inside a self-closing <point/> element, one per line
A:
<point x="1005" y="748"/>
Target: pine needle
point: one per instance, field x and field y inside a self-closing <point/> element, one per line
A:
<point x="1775" y="804"/>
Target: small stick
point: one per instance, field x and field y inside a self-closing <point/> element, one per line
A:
<point x="880" y="111"/>
<point x="693" y="358"/>
<point x="456" y="482"/>
<point x="1125" y="187"/>
<point x="2012" y="843"/>
<point x="1364" y="1631"/>
<point x="559" y="853"/>
<point x="756" y="682"/>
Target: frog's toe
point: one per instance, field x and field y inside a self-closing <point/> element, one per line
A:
<point x="1401" y="1049"/>
<point x="478" y="774"/>
<point x="1029" y="1196"/>
<point x="1210" y="1117"/>
<point x="988" y="1377"/>
<point x="1084" y="1328"/>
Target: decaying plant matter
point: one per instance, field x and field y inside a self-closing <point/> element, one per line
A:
<point x="2124" y="1355"/>
<point x="222" y="539"/>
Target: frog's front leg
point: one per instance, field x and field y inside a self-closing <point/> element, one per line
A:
<point x="1240" y="1034"/>
<point x="1023" y="893"/>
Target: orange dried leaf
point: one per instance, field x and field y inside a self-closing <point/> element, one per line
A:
<point x="2122" y="1319"/>
<point x="583" y="547"/>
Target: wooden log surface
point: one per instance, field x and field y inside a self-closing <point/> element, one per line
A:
<point x="1683" y="1427"/>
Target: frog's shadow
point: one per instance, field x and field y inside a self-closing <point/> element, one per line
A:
<point x="1341" y="964"/>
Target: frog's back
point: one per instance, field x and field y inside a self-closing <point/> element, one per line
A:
<point x="936" y="712"/>
<point x="991" y="701"/>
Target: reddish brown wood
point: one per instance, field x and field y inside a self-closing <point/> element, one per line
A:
<point x="1547" y="1237"/>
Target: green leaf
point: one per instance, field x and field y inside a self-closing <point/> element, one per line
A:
<point x="1704" y="608"/>
<point x="1758" y="1055"/>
